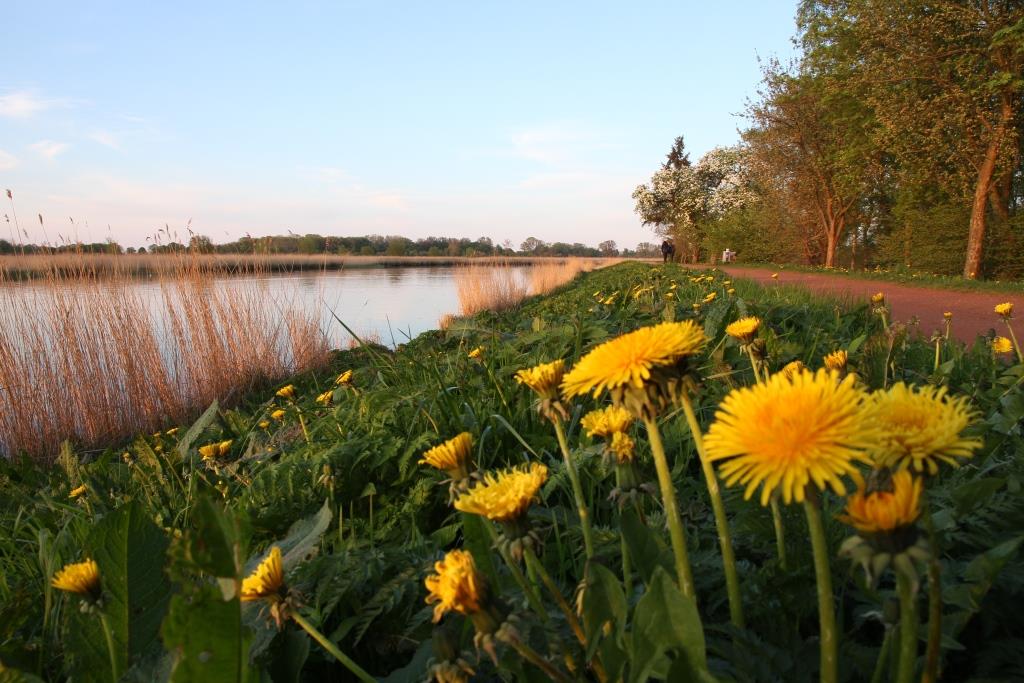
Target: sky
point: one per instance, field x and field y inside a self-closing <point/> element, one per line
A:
<point x="461" y="119"/>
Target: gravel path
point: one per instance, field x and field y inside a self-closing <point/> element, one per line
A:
<point x="972" y="311"/>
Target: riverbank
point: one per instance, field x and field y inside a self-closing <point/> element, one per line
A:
<point x="327" y="466"/>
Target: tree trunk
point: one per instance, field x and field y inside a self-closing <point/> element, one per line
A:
<point x="976" y="233"/>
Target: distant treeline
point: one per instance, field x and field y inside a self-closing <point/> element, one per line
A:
<point x="367" y="245"/>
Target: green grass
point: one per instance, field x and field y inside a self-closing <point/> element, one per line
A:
<point x="903" y="276"/>
<point x="361" y="523"/>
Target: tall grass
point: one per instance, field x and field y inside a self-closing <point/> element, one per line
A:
<point x="93" y="359"/>
<point x="501" y="286"/>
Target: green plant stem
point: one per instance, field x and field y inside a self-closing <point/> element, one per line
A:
<point x="332" y="649"/>
<point x="1016" y="346"/>
<point x="627" y="570"/>
<point x="517" y="574"/>
<point x="883" y="655"/>
<point x="780" y="532"/>
<point x="570" y="616"/>
<point x="938" y="355"/>
<point x="577" y="488"/>
<point x="302" y="423"/>
<point x="934" y="646"/>
<point x="908" y="629"/>
<point x="115" y="673"/>
<point x="668" y="498"/>
<point x="732" y="582"/>
<point x="531" y="655"/>
<point x="753" y="364"/>
<point x="823" y="577"/>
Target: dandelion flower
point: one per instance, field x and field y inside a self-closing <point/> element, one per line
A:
<point x="224" y="447"/>
<point x="81" y="578"/>
<point x="606" y="422"/>
<point x="286" y="392"/>
<point x="78" y="491"/>
<point x="505" y="496"/>
<point x="476" y="353"/>
<point x="627" y="361"/>
<point x="948" y="315"/>
<point x="326" y="397"/>
<point x="872" y="512"/>
<point x="263" y="424"/>
<point x="1004" y="309"/>
<point x="344" y="378"/>
<point x="457" y="586"/>
<point x="775" y="276"/>
<point x="744" y="330"/>
<point x="278" y="414"/>
<point x="709" y="298"/>
<point x="837" y="360"/>
<point x="543" y="379"/>
<point x="209" y="451"/>
<point x="1002" y="345"/>
<point x="792" y="369"/>
<point x="730" y="291"/>
<point x="622" y="446"/>
<point x="267" y="580"/>
<point x="878" y="298"/>
<point x="920" y="427"/>
<point x="450" y="456"/>
<point x="790" y="432"/>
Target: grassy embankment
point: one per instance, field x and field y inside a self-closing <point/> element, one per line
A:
<point x="335" y="483"/>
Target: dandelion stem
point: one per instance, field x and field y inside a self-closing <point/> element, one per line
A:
<point x="517" y="574"/>
<point x="780" y="532"/>
<point x="115" y="673"/>
<point x="908" y="628"/>
<point x="932" y="650"/>
<point x="577" y="489"/>
<point x="570" y="616"/>
<point x="938" y="355"/>
<point x="753" y="364"/>
<point x="1016" y="346"/>
<point x="823" y="576"/>
<point x="668" y="499"/>
<point x="531" y="655"/>
<point x="627" y="571"/>
<point x="332" y="649"/>
<point x="732" y="583"/>
<point x="883" y="655"/>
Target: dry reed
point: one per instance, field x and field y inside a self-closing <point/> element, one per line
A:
<point x="95" y="360"/>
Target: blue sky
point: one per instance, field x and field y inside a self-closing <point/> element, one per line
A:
<point x="348" y="118"/>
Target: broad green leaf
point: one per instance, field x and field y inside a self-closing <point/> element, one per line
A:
<point x="478" y="542"/>
<point x="130" y="551"/>
<point x="196" y="429"/>
<point x="604" y="611"/>
<point x="981" y="573"/>
<point x="645" y="547"/>
<point x="218" y="544"/>
<point x="207" y="639"/>
<point x="666" y="622"/>
<point x="287" y="656"/>
<point x="975" y="492"/>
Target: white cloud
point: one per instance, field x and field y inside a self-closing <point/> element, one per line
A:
<point x="7" y="161"/>
<point x="105" y="138"/>
<point x="48" y="148"/>
<point x="22" y="104"/>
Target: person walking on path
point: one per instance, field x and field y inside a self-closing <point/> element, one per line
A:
<point x="668" y="251"/>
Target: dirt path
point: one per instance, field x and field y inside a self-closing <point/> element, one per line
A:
<point x="972" y="311"/>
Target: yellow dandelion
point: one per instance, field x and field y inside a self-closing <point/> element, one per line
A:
<point x="744" y="329"/>
<point x="1002" y="345"/>
<point x="344" y="378"/>
<point x="871" y="512"/>
<point x="81" y="578"/>
<point x="790" y="432"/>
<point x="504" y="496"/>
<point x="709" y="298"/>
<point x="450" y="456"/>
<point x="837" y="360"/>
<point x="1004" y="309"/>
<point x="948" y="315"/>
<point x="326" y="397"/>
<point x="878" y="298"/>
<point x="78" y="491"/>
<point x="224" y="447"/>
<point x="267" y="579"/>
<point x="476" y="353"/>
<point x="623" y="446"/>
<point x="543" y="379"/>
<point x="209" y="451"/>
<point x="627" y="361"/>
<point x="792" y="369"/>
<point x="457" y="586"/>
<point x="263" y="424"/>
<point x="775" y="276"/>
<point x="606" y="421"/>
<point x="277" y="414"/>
<point x="730" y="291"/>
<point x="172" y="431"/>
<point x="920" y="427"/>
<point x="286" y="392"/>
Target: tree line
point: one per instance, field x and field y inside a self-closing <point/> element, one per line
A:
<point x="894" y="139"/>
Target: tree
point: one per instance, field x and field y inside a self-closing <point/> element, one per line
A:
<point x="608" y="248"/>
<point x="531" y="245"/>
<point x="677" y="157"/>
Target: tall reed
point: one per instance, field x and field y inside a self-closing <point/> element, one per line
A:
<point x="94" y="358"/>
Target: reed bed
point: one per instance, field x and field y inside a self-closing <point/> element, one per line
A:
<point x="93" y="360"/>
<point x="31" y="266"/>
